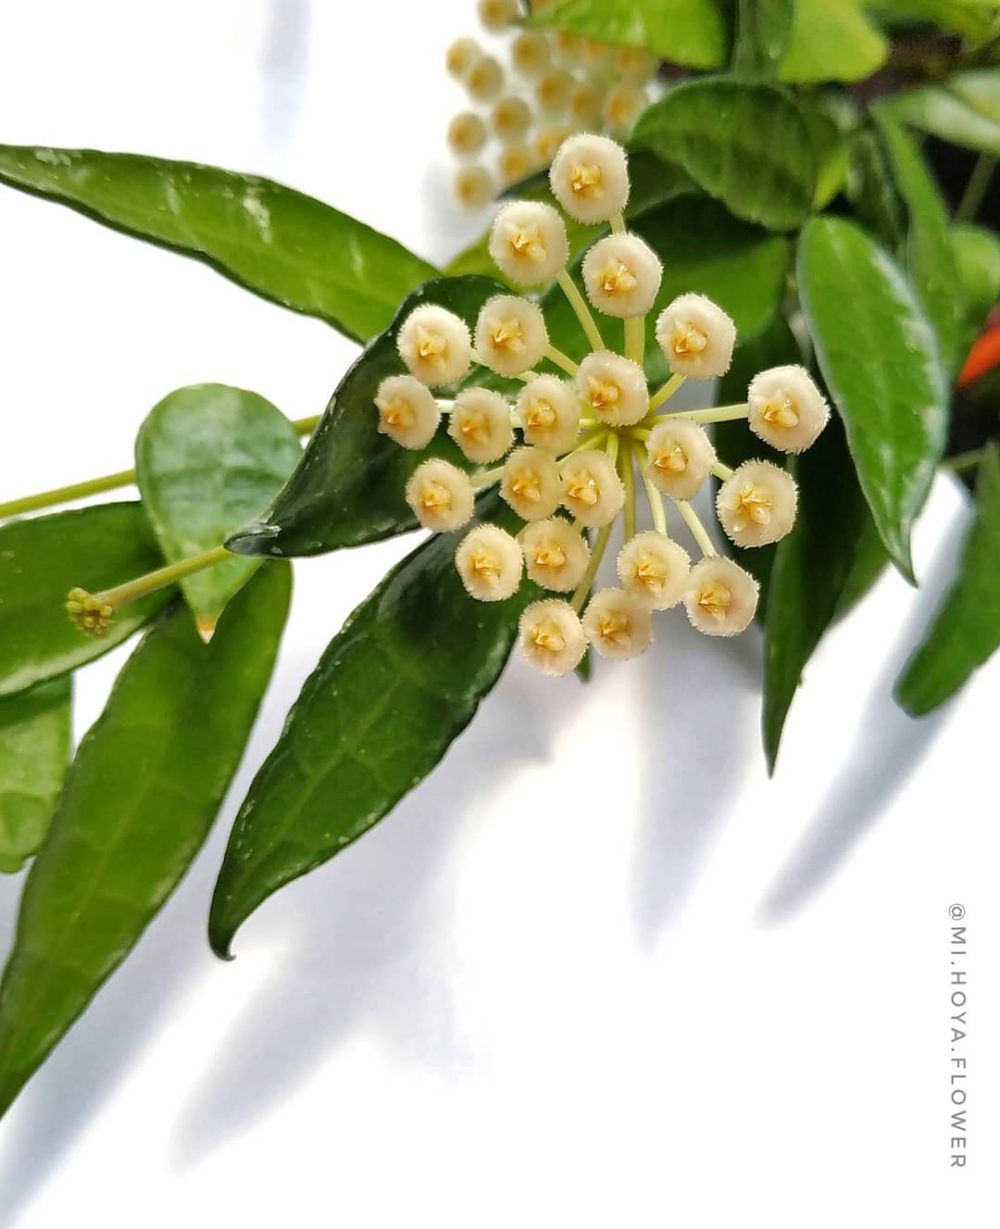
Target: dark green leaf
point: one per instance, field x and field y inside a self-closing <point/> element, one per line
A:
<point x="966" y="630"/>
<point x="832" y="40"/>
<point x="966" y="111"/>
<point x="745" y="143"/>
<point x="870" y="560"/>
<point x="138" y="803"/>
<point x="871" y="188"/>
<point x="273" y="240"/>
<point x="348" y="487"/>
<point x="830" y="150"/>
<point x="977" y="258"/>
<point x="689" y="32"/>
<point x="399" y="682"/>
<point x="209" y="458"/>
<point x="879" y="357"/>
<point x="35" y="743"/>
<point x="973" y="21"/>
<point x="41" y="560"/>
<point x="763" y="32"/>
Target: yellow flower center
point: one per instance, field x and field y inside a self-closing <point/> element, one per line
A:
<point x="526" y="243"/>
<point x="586" y="179"/>
<point x="780" y="413"/>
<point x="486" y="565"/>
<point x="688" y="340"/>
<point x="539" y="415"/>
<point x="525" y="485"/>
<point x="507" y="335"/>
<point x="753" y="504"/>
<point x="616" y="278"/>
<point x="651" y="574"/>
<point x="549" y="555"/>
<point x="715" y="600"/>
<point x="547" y="637"/>
<point x="614" y="626"/>
<point x="431" y="347"/>
<point x="671" y="458"/>
<point x="396" y="413"/>
<point x="602" y="394"/>
<point x="474" y="426"/>
<point x="435" y="495"/>
<point x="584" y="489"/>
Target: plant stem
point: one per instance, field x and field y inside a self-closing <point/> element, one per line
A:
<point x="597" y="554"/>
<point x="721" y="413"/>
<point x="698" y="530"/>
<point x="721" y="471"/>
<point x="561" y="360"/>
<point x="963" y="461"/>
<point x="976" y="188"/>
<point x="618" y="223"/>
<point x="657" y="508"/>
<point x="628" y="481"/>
<point x="583" y="312"/>
<point x="667" y="391"/>
<point x="635" y="338"/>
<point x="142" y="586"/>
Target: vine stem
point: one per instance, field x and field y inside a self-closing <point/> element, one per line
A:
<point x="667" y="391"/>
<point x="976" y="188"/>
<point x="583" y="312"/>
<point x="584" y="587"/>
<point x="698" y="530"/>
<point x="721" y="413"/>
<point x="142" y="586"/>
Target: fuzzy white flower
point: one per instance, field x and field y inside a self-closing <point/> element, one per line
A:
<point x="616" y="625"/>
<point x="569" y="47"/>
<point x="516" y="162"/>
<point x="529" y="53"/>
<point x="461" y="55"/>
<point x="489" y="562"/>
<point x="548" y="140"/>
<point x="596" y="57"/>
<point x="720" y="597"/>
<point x="510" y="334"/>
<point x="434" y="344"/>
<point x="484" y="79"/>
<point x="756" y="506"/>
<point x="440" y="495"/>
<point x="510" y="118"/>
<point x="621" y="274"/>
<point x="528" y="242"/>
<point x="552" y="91"/>
<point x="681" y="457"/>
<point x="497" y="15"/>
<point x="555" y="554"/>
<point x="614" y="388"/>
<point x="407" y="411"/>
<point x="589" y="178"/>
<point x="622" y="106"/>
<point x="549" y="410"/>
<point x="479" y="424"/>
<point x="697" y="337"/>
<point x="551" y="636"/>
<point x="591" y="488"/>
<point x="787" y="410"/>
<point x="584" y="104"/>
<point x="474" y="187"/>
<point x="654" y="569"/>
<point x="531" y="484"/>
<point x="466" y="134"/>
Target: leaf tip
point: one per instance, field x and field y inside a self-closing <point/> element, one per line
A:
<point x="252" y="539"/>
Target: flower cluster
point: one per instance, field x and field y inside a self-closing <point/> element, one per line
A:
<point x="569" y="454"/>
<point x="554" y="83"/>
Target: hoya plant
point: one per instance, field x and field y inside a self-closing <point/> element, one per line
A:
<point x="784" y="200"/>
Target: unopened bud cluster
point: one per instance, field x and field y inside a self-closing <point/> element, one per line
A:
<point x="568" y="452"/>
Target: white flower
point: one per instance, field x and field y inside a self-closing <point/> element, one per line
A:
<point x="616" y="625"/>
<point x="591" y="488"/>
<point x="635" y="64"/>
<point x="528" y="242"/>
<point x="497" y="15"/>
<point x="489" y="562"/>
<point x="549" y="410"/>
<point x="529" y="53"/>
<point x="569" y="47"/>
<point x="480" y="425"/>
<point x="484" y="78"/>
<point x="756" y="506"/>
<point x="474" y="187"/>
<point x="555" y="554"/>
<point x="552" y="91"/>
<point x="622" y="274"/>
<point x="551" y="636"/>
<point x="622" y="106"/>
<point x="434" y="344"/>
<point x="720" y="597"/>
<point x="516" y="162"/>
<point x="531" y="484"/>
<point x="407" y="411"/>
<point x="697" y="337"/>
<point x="466" y="134"/>
<point x="614" y="388"/>
<point x="584" y="104"/>
<point x="787" y="410"/>
<point x="511" y="118"/>
<point x="461" y="55"/>
<point x="548" y="141"/>
<point x="596" y="57"/>
<point x="589" y="178"/>
<point x="440" y="495"/>
<point x="510" y="334"/>
<point x="681" y="457"/>
<point x="654" y="569"/>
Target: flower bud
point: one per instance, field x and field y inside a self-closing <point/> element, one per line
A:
<point x="474" y="187"/>
<point x="489" y="562"/>
<point x="551" y="636"/>
<point x="510" y="118"/>
<point x="589" y="178"/>
<point x="584" y="104"/>
<point x="654" y="569"/>
<point x="528" y="242"/>
<point x="552" y="91"/>
<point x="623" y="105"/>
<point x="434" y="344"/>
<point x="529" y="53"/>
<point x="484" y="79"/>
<point x="466" y="134"/>
<point x="787" y="410"/>
<point x="479" y="424"/>
<point x="407" y="411"/>
<point x="696" y="336"/>
<point x="569" y="47"/>
<point x="616" y="625"/>
<point x="591" y="488"/>
<point x="548" y="141"/>
<point x="440" y="495"/>
<point x="510" y="334"/>
<point x="596" y="57"/>
<point x="756" y="506"/>
<point x="549" y="410"/>
<point x="614" y="388"/>
<point x="531" y="484"/>
<point x="555" y="554"/>
<point x="681" y="457"/>
<point x="497" y="15"/>
<point x="461" y="55"/>
<point x="635" y="64"/>
<point x="720" y="597"/>
<point x="516" y="162"/>
<point x="621" y="275"/>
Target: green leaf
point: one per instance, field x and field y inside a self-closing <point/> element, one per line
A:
<point x="927" y="252"/>
<point x="348" y="487"/>
<point x="966" y="111"/>
<point x="689" y="32"/>
<point x="277" y="242"/>
<point x="811" y="568"/>
<point x="973" y="21"/>
<point x="35" y="744"/>
<point x="830" y="150"/>
<point x="763" y="32"/>
<point x="871" y="189"/>
<point x="879" y="357"/>
<point x="138" y="803"/>
<point x="832" y="40"/>
<point x="870" y="560"/>
<point x="397" y="684"/>
<point x="977" y="258"/>
<point x="745" y="143"/>
<point x="41" y="560"/>
<point x="966" y="629"/>
<point x="209" y="458"/>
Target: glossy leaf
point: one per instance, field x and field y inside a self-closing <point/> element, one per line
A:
<point x="275" y="241"/>
<point x="832" y="40"/>
<point x="348" y="487"/>
<point x="977" y="259"/>
<point x="763" y="32"/>
<point x="879" y="358"/>
<point x="689" y="32"/>
<point x="745" y="143"/>
<point x="35" y="744"/>
<point x="138" y="803"/>
<point x="966" y="111"/>
<point x="41" y="560"/>
<point x="966" y="630"/>
<point x="397" y="684"/>
<point x="209" y="458"/>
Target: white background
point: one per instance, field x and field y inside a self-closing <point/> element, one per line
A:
<point x="596" y="970"/>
